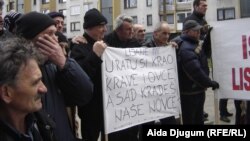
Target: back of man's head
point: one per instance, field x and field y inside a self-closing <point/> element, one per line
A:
<point x="33" y="23"/>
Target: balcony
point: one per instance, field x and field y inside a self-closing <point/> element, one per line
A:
<point x="180" y="6"/>
<point x="169" y="9"/>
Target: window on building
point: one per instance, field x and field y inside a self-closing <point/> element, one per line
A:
<point x="45" y="11"/>
<point x="45" y="1"/>
<point x="63" y="11"/>
<point x="181" y="16"/>
<point x="149" y="3"/>
<point x="130" y="4"/>
<point x="34" y="2"/>
<point x="225" y="14"/>
<point x="149" y="20"/>
<point x="87" y="6"/>
<point x="135" y="21"/>
<point x="75" y="10"/>
<point x="62" y="1"/>
<point x="75" y="26"/>
<point x="170" y="18"/>
<point x="11" y="6"/>
<point x="244" y="8"/>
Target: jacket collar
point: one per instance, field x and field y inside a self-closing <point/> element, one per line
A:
<point x="89" y="39"/>
<point x="189" y="39"/>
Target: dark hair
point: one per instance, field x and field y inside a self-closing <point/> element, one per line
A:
<point x="197" y="2"/>
<point x="15" y="52"/>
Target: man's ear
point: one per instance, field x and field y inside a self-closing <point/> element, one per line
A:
<point x="5" y="94"/>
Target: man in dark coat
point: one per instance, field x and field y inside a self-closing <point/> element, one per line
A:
<point x="21" y="89"/>
<point x="193" y="74"/>
<point x="121" y="37"/>
<point x="198" y="15"/>
<point x="88" y="56"/>
<point x="67" y="83"/>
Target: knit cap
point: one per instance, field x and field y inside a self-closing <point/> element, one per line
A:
<point x="33" y="23"/>
<point x="93" y="18"/>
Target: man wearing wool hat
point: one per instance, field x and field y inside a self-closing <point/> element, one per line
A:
<point x="88" y="55"/>
<point x="66" y="82"/>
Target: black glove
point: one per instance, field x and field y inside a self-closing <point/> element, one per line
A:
<point x="215" y="85"/>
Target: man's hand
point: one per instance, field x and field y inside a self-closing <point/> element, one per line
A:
<point x="79" y="39"/>
<point x="99" y="48"/>
<point x="215" y="85"/>
<point x="49" y="47"/>
<point x="173" y="44"/>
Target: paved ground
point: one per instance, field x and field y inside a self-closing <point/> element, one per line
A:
<point x="210" y="109"/>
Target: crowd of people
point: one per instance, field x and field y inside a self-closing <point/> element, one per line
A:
<point x="44" y="78"/>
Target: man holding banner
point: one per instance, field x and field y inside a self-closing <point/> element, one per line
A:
<point x="122" y="37"/>
<point x="160" y="38"/>
<point x="193" y="74"/>
<point x="88" y="56"/>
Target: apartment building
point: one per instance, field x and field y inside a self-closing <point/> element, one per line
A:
<point x="146" y="12"/>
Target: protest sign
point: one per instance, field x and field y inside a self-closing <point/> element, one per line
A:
<point x="231" y="58"/>
<point x="139" y="85"/>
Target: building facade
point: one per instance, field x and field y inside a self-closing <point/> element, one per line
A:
<point x="146" y="12"/>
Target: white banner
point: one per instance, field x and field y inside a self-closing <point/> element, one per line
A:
<point x="139" y="85"/>
<point x="231" y="58"/>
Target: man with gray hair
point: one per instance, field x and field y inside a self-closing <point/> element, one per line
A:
<point x="122" y="34"/>
<point x="21" y="90"/>
<point x="122" y="37"/>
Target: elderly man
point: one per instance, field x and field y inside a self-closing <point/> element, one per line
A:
<point x="21" y="89"/>
<point x="193" y="75"/>
<point x="67" y="83"/>
<point x="139" y="32"/>
<point x="160" y="38"/>
<point x="122" y="34"/>
<point x="88" y="55"/>
<point x="122" y="37"/>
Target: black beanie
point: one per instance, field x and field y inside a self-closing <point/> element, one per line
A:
<point x="33" y="23"/>
<point x="55" y="14"/>
<point x="93" y="18"/>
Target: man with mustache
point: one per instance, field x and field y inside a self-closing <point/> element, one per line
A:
<point x="21" y="89"/>
<point x="67" y="83"/>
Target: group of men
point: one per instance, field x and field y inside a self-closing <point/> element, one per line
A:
<point x="39" y="79"/>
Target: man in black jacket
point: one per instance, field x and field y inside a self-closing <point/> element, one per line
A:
<point x="88" y="56"/>
<point x="67" y="83"/>
<point x="193" y="74"/>
<point x="21" y="89"/>
<point x="121" y="37"/>
<point x="160" y="37"/>
<point x="200" y="8"/>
